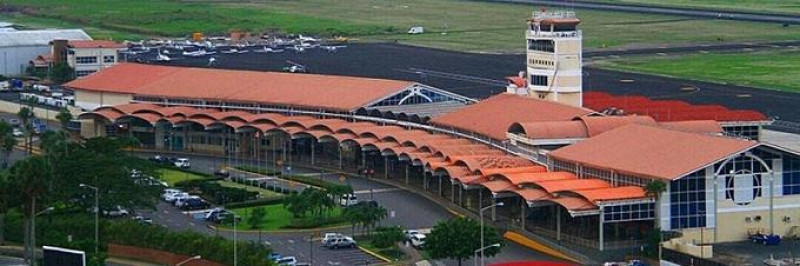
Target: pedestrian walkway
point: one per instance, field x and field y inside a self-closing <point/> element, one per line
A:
<point x="380" y="190"/>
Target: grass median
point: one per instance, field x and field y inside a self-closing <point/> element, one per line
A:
<point x="771" y="69"/>
<point x="473" y="26"/>
<point x="278" y="217"/>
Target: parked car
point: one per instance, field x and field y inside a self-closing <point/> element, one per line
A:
<point x="218" y="217"/>
<point x="182" y="163"/>
<point x="416" y="239"/>
<point x="767" y="240"/>
<point x="169" y="192"/>
<point x="179" y="202"/>
<point x="116" y="211"/>
<point x="17" y="132"/>
<point x="143" y="220"/>
<point x="287" y="261"/>
<point x="368" y="203"/>
<point x="173" y="197"/>
<point x="348" y="200"/>
<point x="275" y="256"/>
<point x="329" y="236"/>
<point x="194" y="204"/>
<point x="341" y="242"/>
<point x="222" y="173"/>
<point x="213" y="212"/>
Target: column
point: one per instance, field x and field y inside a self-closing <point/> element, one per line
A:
<point x="424" y="181"/>
<point x="460" y="195"/>
<point x="494" y="209"/>
<point x="558" y="223"/>
<point x="452" y="192"/>
<point x="407" y="166"/>
<point x="602" y="221"/>
<point x="440" y="185"/>
<point x="340" y="157"/>
<point x="386" y="167"/>
<point x="522" y="217"/>
<point x="312" y="150"/>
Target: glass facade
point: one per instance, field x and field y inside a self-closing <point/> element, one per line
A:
<point x="629" y="212"/>
<point x="791" y="175"/>
<point x="688" y="201"/>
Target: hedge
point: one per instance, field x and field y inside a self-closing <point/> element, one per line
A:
<point x="217" y="193"/>
<point x="253" y="203"/>
<point x="327" y="185"/>
<point x="257" y="170"/>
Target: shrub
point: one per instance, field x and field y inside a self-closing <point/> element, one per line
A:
<point x="217" y="193"/>
<point x="305" y="223"/>
<point x="253" y="203"/>
<point x="386" y="236"/>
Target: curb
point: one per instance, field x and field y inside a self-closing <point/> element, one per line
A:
<point x="308" y="230"/>
<point x="374" y="254"/>
<point x="534" y="245"/>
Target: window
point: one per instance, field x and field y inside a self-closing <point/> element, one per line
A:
<point x="108" y="59"/>
<point x="86" y="60"/>
<point x="791" y="175"/>
<point x="688" y="201"/>
<point x="541" y="45"/>
<point x="538" y="80"/>
<point x="83" y="73"/>
<point x="632" y="212"/>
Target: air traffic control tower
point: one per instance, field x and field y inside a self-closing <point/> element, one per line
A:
<point x="554" y="59"/>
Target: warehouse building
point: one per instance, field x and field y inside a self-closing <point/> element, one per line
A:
<point x="18" y="48"/>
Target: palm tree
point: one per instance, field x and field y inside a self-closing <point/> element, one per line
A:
<point x="7" y="141"/>
<point x="31" y="179"/>
<point x="655" y="188"/>
<point x="6" y="198"/>
<point x="26" y="115"/>
<point x="64" y="117"/>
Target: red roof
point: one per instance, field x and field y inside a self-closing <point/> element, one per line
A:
<point x="651" y="151"/>
<point x="94" y="44"/>
<point x="302" y="90"/>
<point x="493" y="116"/>
<point x="667" y="110"/>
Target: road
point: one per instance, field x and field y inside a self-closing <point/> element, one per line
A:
<point x="410" y="211"/>
<point x="11" y="261"/>
<point x="691" y="12"/>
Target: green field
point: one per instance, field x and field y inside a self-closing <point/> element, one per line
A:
<point x="766" y="6"/>
<point x="277" y="217"/>
<point x="469" y="25"/>
<point x="774" y="69"/>
<point x="265" y="193"/>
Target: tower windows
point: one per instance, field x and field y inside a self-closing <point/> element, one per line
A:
<point x="538" y="80"/>
<point x="541" y="45"/>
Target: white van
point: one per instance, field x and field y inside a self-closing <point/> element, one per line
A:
<point x="182" y="163"/>
<point x="416" y="30"/>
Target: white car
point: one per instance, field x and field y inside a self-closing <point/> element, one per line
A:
<point x="182" y="163"/>
<point x="287" y="261"/>
<point x="417" y="240"/>
<point x="348" y="200"/>
<point x="116" y="211"/>
<point x="169" y="192"/>
<point x="329" y="236"/>
<point x="173" y="197"/>
<point x="17" y="132"/>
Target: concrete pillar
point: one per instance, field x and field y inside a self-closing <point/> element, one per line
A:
<point x="363" y="159"/>
<point x="460" y="195"/>
<point x="522" y="217"/>
<point x="494" y="209"/>
<point x="407" y="166"/>
<point x="340" y="158"/>
<point x="312" y="150"/>
<point x="386" y="167"/>
<point x="452" y="192"/>
<point x="424" y="181"/>
<point x="440" y="185"/>
<point x="602" y="221"/>
<point x="558" y="223"/>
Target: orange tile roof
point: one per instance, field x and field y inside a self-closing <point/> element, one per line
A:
<point x="497" y="186"/>
<point x="94" y="44"/>
<point x="130" y="108"/>
<point x="599" y="124"/>
<point x="262" y="126"/>
<point x="493" y="116"/>
<point x="651" y="151"/>
<point x="302" y="90"/>
<point x="555" y="186"/>
<point x="108" y="114"/>
<point x="511" y="170"/>
<point x="694" y="126"/>
<point x="612" y="193"/>
<point x="533" y="178"/>
<point x="532" y="194"/>
<point x="573" y="203"/>
<point x="551" y="129"/>
<point x="149" y="117"/>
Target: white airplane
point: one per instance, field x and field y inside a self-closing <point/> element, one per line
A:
<point x="211" y="61"/>
<point x="198" y="53"/>
<point x="332" y="49"/>
<point x="306" y="38"/>
<point x="297" y="48"/>
<point x="163" y="58"/>
<point x="266" y="49"/>
<point x="230" y="51"/>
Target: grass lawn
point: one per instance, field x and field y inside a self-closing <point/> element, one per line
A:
<point x="265" y="193"/>
<point x="773" y="69"/>
<point x="470" y="25"/>
<point x="771" y="6"/>
<point x="277" y="217"/>
<point x="174" y="176"/>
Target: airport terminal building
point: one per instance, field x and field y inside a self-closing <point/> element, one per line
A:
<point x="565" y="172"/>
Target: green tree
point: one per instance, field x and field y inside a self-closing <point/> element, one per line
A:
<point x="31" y="180"/>
<point x="386" y="236"/>
<point x="257" y="217"/>
<point x="61" y="73"/>
<point x="654" y="188"/>
<point x="26" y="115"/>
<point x="459" y="238"/>
<point x="64" y="117"/>
<point x="7" y="200"/>
<point x="297" y="204"/>
<point x="7" y="141"/>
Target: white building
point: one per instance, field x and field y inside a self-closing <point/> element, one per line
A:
<point x="18" y="48"/>
<point x="87" y="57"/>
<point x="553" y="64"/>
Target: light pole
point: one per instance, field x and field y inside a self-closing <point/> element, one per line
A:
<point x="495" y="245"/>
<point x="33" y="234"/>
<point x="233" y="215"/>
<point x="481" y="214"/>
<point x="188" y="260"/>
<point x="96" y="215"/>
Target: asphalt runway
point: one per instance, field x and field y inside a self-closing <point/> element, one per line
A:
<point x="482" y="75"/>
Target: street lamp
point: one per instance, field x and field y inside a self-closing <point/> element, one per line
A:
<point x="96" y="215"/>
<point x="499" y="204"/>
<point x="188" y="260"/>
<point x="234" y="237"/>
<point x="495" y="245"/>
<point x="33" y="233"/>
